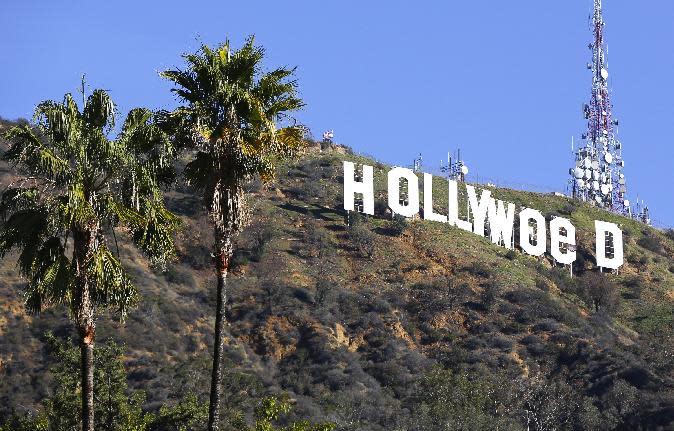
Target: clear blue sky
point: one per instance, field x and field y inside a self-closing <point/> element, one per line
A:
<point x="504" y="81"/>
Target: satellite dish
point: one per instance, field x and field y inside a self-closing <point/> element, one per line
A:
<point x="464" y="169"/>
<point x="609" y="158"/>
<point x="595" y="164"/>
<point x="588" y="174"/>
<point x="578" y="173"/>
<point x="595" y="185"/>
<point x="626" y="203"/>
<point x="604" y="189"/>
<point x="595" y="175"/>
<point x="623" y="189"/>
<point x="604" y="74"/>
<point x="598" y="199"/>
<point x="581" y="183"/>
<point x="621" y="181"/>
<point x="587" y="163"/>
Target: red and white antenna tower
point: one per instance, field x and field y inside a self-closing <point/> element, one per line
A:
<point x="598" y="172"/>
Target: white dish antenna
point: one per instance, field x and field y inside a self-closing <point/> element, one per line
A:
<point x="464" y="169"/>
<point x="609" y="158"/>
<point x="604" y="74"/>
<point x="578" y="173"/>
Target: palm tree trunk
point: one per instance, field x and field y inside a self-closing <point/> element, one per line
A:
<point x="84" y="242"/>
<point x="228" y="216"/>
<point x="87" y="376"/>
<point x="221" y="267"/>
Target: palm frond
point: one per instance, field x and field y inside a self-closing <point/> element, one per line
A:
<point x="50" y="277"/>
<point x="15" y="198"/>
<point x="99" y="110"/>
<point x="110" y="282"/>
<point x="27" y="151"/>
<point x="199" y="172"/>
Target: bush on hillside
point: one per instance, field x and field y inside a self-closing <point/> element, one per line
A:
<point x="652" y="243"/>
<point x="599" y="293"/>
<point x="362" y="239"/>
<point x="490" y="295"/>
<point x="398" y="225"/>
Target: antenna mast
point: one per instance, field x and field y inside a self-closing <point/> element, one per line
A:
<point x="598" y="172"/>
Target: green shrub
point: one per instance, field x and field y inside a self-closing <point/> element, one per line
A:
<point x="480" y="269"/>
<point x="362" y="239"/>
<point x="599" y="293"/>
<point x="652" y="243"/>
<point x="398" y="225"/>
<point x="490" y="295"/>
<point x="261" y="233"/>
<point x="117" y="407"/>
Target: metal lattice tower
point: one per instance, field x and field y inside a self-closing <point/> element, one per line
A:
<point x="598" y="172"/>
<point x="455" y="169"/>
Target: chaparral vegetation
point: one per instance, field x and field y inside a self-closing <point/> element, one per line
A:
<point x="331" y="320"/>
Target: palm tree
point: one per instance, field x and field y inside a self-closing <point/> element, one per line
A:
<point x="76" y="187"/>
<point x="235" y="119"/>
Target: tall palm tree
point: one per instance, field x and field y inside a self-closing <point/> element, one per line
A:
<point x="77" y="186"/>
<point x="235" y="117"/>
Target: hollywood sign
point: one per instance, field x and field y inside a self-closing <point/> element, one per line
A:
<point x="484" y="210"/>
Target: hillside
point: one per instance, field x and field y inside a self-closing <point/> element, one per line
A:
<point x="386" y="325"/>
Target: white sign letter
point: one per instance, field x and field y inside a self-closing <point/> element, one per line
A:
<point x="557" y="240"/>
<point x="602" y="229"/>
<point x="366" y="188"/>
<point x="526" y="232"/>
<point x="501" y="222"/>
<point x="453" y="208"/>
<point x="428" y="201"/>
<point x="412" y="206"/>
<point x="479" y="209"/>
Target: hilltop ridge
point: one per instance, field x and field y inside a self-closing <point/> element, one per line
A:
<point x="388" y="324"/>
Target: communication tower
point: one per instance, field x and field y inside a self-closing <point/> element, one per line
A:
<point x="328" y="136"/>
<point x="418" y="164"/>
<point x="597" y="175"/>
<point x="455" y="169"/>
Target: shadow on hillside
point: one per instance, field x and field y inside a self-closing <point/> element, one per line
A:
<point x="318" y="212"/>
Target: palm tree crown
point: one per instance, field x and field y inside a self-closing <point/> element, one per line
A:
<point x="75" y="180"/>
<point x="230" y="118"/>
